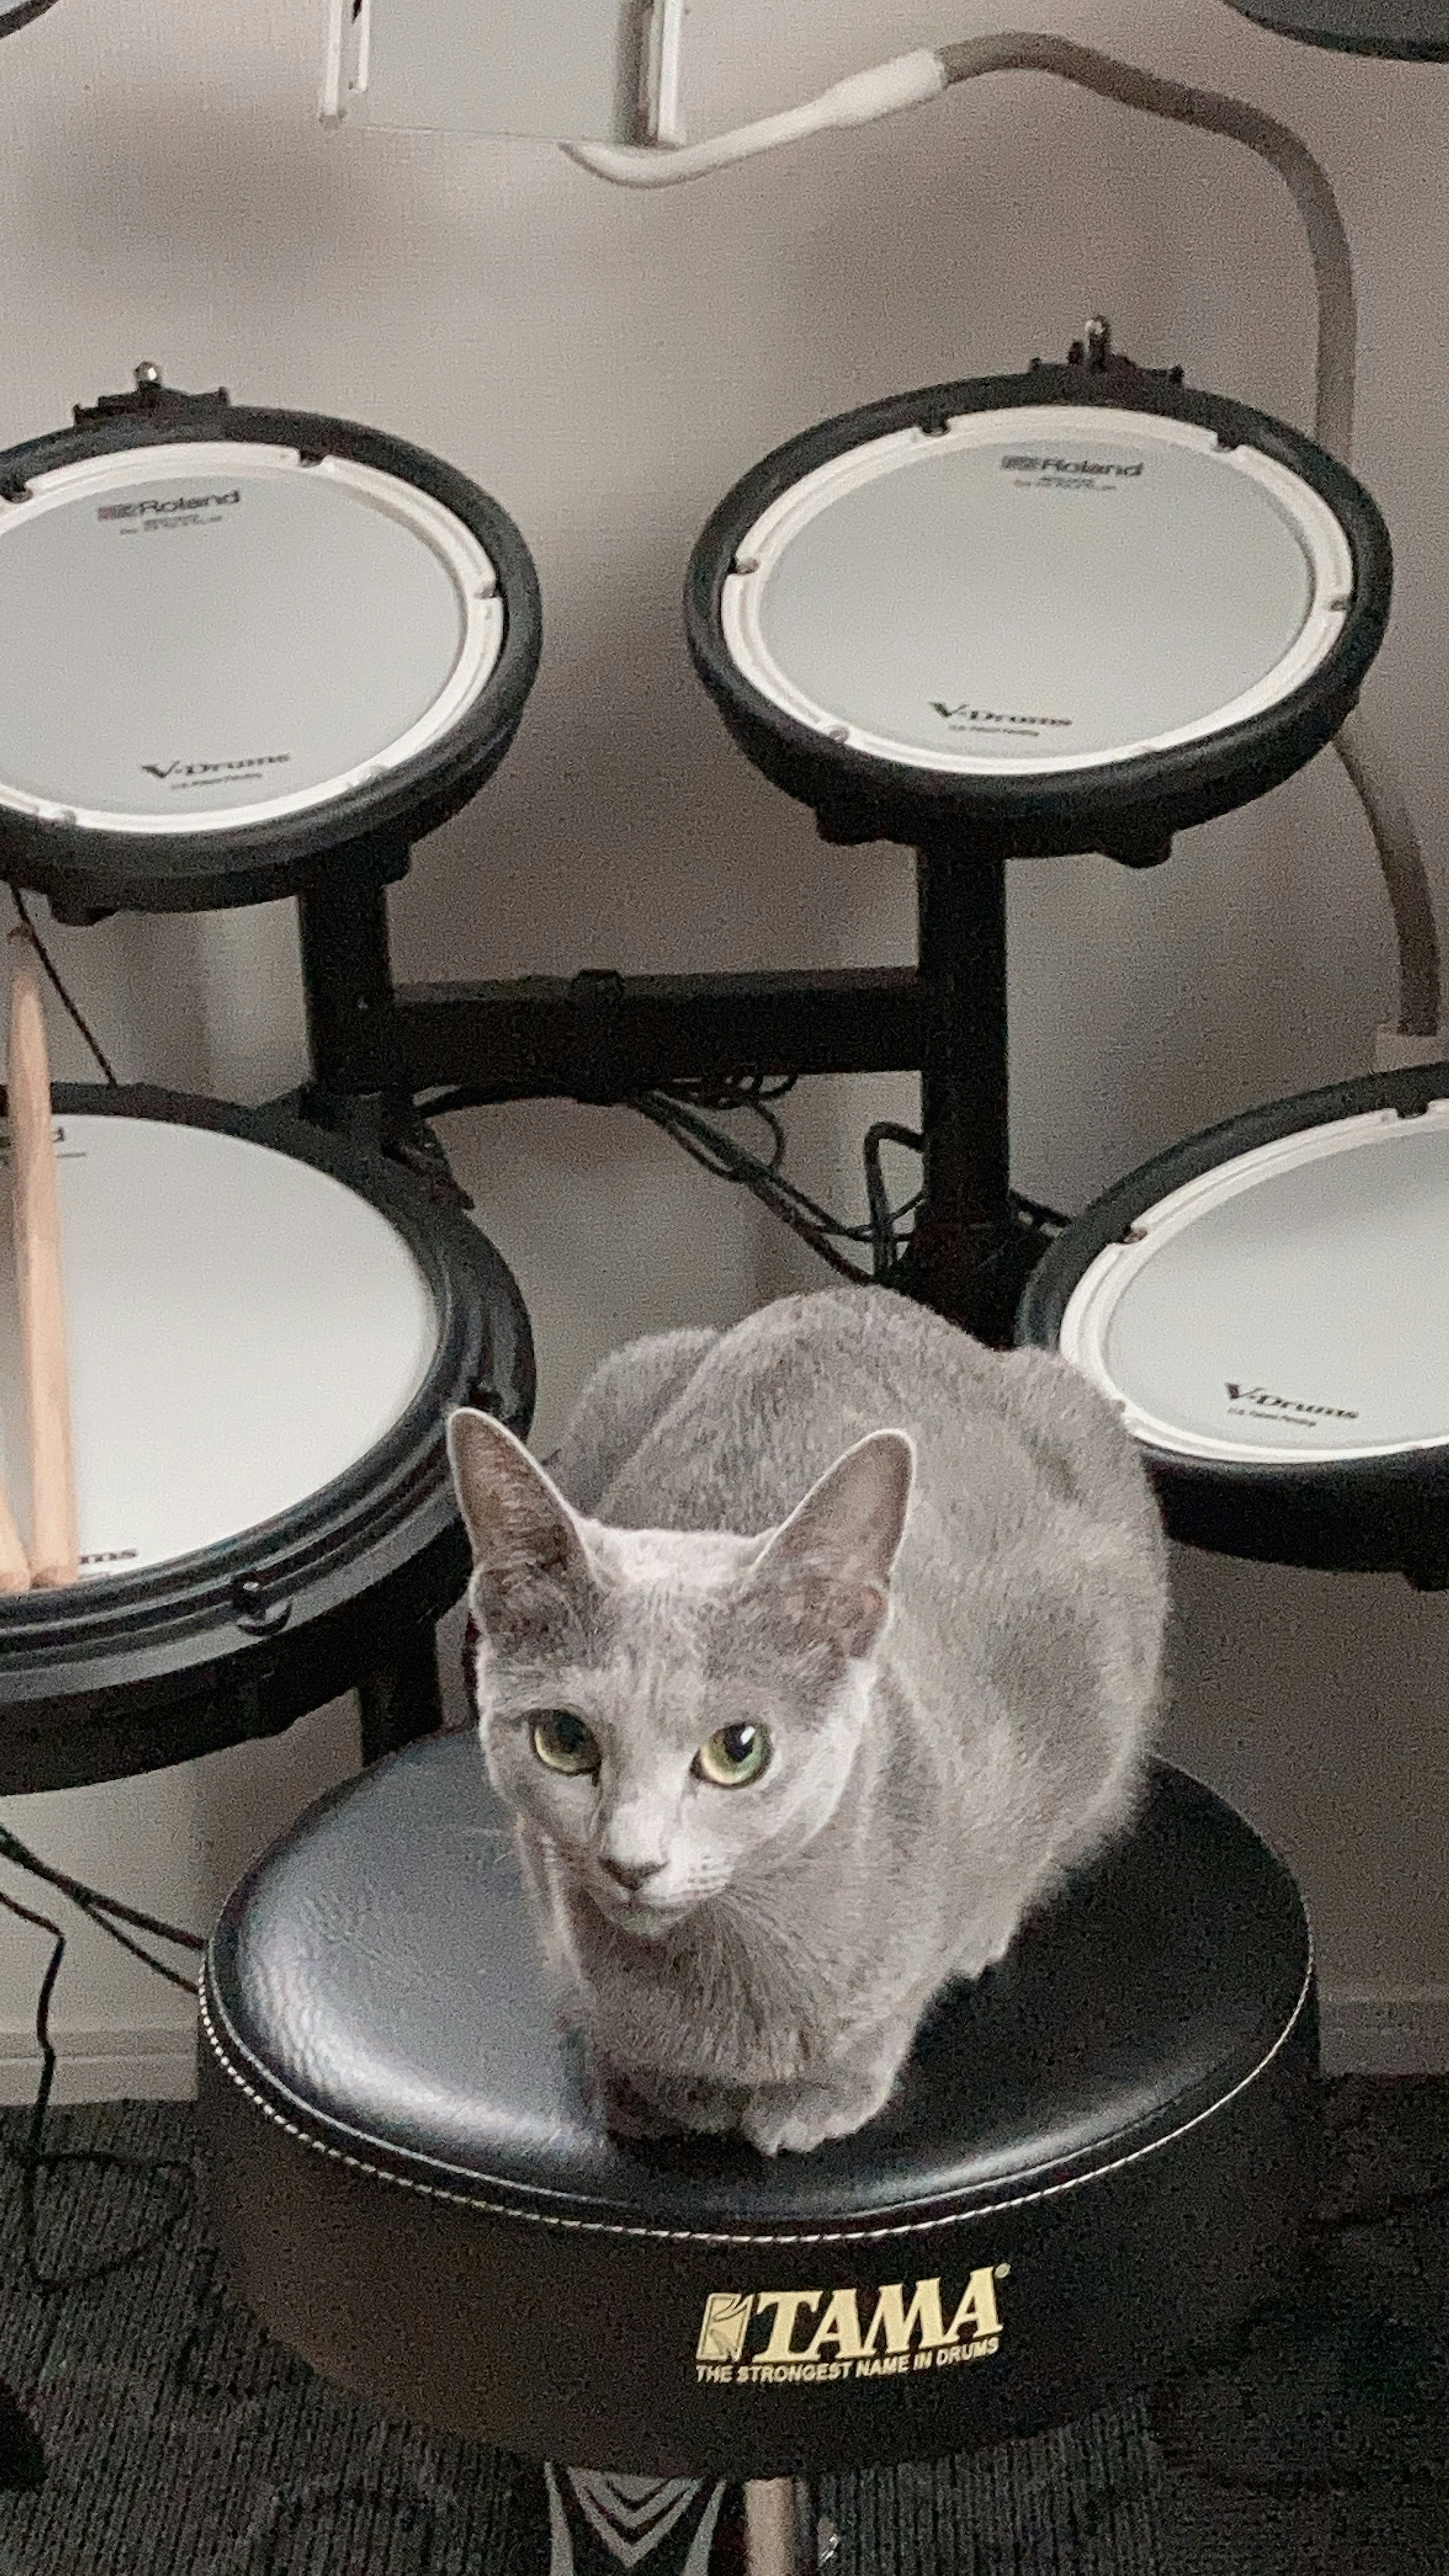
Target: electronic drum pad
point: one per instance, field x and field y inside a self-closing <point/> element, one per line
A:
<point x="1268" y="1307"/>
<point x="232" y="641"/>
<point x="267" y="1330"/>
<point x="1058" y="611"/>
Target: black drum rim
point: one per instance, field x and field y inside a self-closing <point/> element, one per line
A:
<point x="1387" y="1514"/>
<point x="402" y="1480"/>
<point x="86" y="865"/>
<point x="1406" y="49"/>
<point x="1163" y="791"/>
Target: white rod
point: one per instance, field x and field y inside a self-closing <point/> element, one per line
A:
<point x="908" y="80"/>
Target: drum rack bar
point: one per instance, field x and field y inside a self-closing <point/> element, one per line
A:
<point x="602" y="1037"/>
<point x="606" y="1038"/>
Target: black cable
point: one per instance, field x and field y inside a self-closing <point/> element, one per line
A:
<point x="173" y="1977"/>
<point x="728" y="1161"/>
<point x="90" y="1899"/>
<point x="43" y="953"/>
<point x="885" y="1221"/>
<point x="732" y="1091"/>
<point x="675" y="1108"/>
<point x="675" y="1112"/>
<point x="753" y="1104"/>
<point x="478" y="1095"/>
<point x="35" y="2160"/>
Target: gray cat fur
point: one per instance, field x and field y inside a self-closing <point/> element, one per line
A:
<point x="955" y="1727"/>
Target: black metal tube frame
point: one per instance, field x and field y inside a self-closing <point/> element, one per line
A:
<point x="604" y="1038"/>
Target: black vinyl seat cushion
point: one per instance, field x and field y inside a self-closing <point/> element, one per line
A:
<point x="1098" y="2160"/>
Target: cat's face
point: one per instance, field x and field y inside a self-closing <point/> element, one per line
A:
<point x="672" y="1710"/>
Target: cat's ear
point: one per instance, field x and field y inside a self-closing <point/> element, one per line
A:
<point x="529" y="1560"/>
<point x="830" y="1563"/>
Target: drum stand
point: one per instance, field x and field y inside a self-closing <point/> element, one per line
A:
<point x="605" y="1038"/>
<point x="348" y="990"/>
<point x="969" y="1256"/>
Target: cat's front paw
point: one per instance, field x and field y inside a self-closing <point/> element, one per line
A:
<point x="790" y="2119"/>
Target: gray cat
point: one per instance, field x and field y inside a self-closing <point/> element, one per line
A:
<point x="802" y="1715"/>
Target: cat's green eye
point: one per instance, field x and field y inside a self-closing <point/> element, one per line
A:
<point x="733" y="1756"/>
<point x="563" y="1742"/>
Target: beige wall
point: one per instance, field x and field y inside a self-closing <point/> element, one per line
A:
<point x="608" y="365"/>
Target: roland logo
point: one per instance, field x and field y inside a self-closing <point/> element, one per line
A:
<point x="1259" y="1401"/>
<point x="1084" y="465"/>
<point x="168" y="509"/>
<point x="194" y="772"/>
<point x="965" y="713"/>
<point x="769" y="2337"/>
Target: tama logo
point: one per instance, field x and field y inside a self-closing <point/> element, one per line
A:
<point x="181" y="770"/>
<point x="747" y="2338"/>
<point x="1072" y="465"/>
<point x="1264" y="1402"/>
<point x="993" y="716"/>
<point x="168" y="509"/>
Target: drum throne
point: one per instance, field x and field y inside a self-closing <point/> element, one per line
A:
<point x="1097" y="2165"/>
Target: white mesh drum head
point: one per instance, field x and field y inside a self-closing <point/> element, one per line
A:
<point x="1292" y="1306"/>
<point x="242" y="1330"/>
<point x="198" y="636"/>
<point x="1037" y="591"/>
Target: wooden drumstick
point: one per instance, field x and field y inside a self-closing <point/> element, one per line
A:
<point x="54" y="1541"/>
<point x="14" y="1563"/>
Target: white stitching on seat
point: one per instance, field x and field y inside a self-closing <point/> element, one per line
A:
<point x="735" y="2236"/>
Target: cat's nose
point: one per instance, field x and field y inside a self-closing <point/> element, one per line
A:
<point x="632" y="1874"/>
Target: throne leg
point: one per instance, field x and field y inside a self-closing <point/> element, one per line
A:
<point x="777" y="2528"/>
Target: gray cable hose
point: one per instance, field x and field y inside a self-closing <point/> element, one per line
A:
<point x="1369" y="768"/>
<point x="1214" y="113"/>
<point x="1402" y="860"/>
